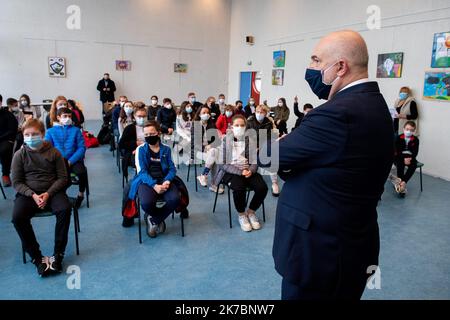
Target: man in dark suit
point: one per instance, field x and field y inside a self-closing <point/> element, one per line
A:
<point x="335" y="166"/>
<point x="107" y="87"/>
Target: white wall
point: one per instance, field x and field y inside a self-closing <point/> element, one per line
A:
<point x="407" y="26"/>
<point x="202" y="25"/>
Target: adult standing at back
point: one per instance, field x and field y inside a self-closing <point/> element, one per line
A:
<point x="107" y="87"/>
<point x="406" y="108"/>
<point x="335" y="166"/>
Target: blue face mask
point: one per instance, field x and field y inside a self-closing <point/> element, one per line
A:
<point x="34" y="142"/>
<point x="188" y="110"/>
<point x="403" y="95"/>
<point x="314" y="79"/>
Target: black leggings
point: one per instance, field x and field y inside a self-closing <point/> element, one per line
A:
<point x="400" y="164"/>
<point x="80" y="170"/>
<point x="25" y="208"/>
<point x="239" y="185"/>
<point x="6" y="153"/>
<point x="282" y="127"/>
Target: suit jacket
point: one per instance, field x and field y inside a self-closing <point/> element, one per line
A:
<point x="326" y="233"/>
<point x="106" y="96"/>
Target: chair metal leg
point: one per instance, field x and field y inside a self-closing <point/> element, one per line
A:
<point x="195" y="177"/>
<point x="138" y="203"/>
<point x="264" y="212"/>
<point x="215" y="200"/>
<point x="24" y="257"/>
<point x="3" y="192"/>
<point x="229" y="207"/>
<point x="76" y="225"/>
<point x="182" y="226"/>
<point x="87" y="191"/>
<point x="421" y="183"/>
<point x="188" y="173"/>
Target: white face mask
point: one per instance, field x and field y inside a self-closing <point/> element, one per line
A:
<point x="221" y="101"/>
<point x="252" y="103"/>
<point x="239" y="132"/>
<point x="15" y="109"/>
<point x="260" y="117"/>
<point x="65" y="121"/>
<point x="408" y="133"/>
<point x="122" y="103"/>
<point x="154" y="102"/>
<point x="205" y="117"/>
<point x="168" y="106"/>
<point x="128" y="110"/>
<point x="24" y="103"/>
<point x="228" y="114"/>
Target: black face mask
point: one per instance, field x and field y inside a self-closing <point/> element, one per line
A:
<point x="152" y="140"/>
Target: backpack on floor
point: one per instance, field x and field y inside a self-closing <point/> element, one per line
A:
<point x="90" y="140"/>
<point x="104" y="136"/>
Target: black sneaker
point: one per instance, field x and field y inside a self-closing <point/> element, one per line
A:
<point x="43" y="266"/>
<point x="127" y="222"/>
<point x="184" y="214"/>
<point x="55" y="262"/>
<point x="78" y="202"/>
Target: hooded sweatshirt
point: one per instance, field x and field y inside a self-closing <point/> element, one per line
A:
<point x="39" y="171"/>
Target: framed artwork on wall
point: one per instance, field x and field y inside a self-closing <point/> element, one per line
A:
<point x="123" y="65"/>
<point x="440" y="57"/>
<point x="390" y="65"/>
<point x="180" y="68"/>
<point x="57" y="67"/>
<point x="277" y="77"/>
<point x="279" y="59"/>
<point x="437" y="86"/>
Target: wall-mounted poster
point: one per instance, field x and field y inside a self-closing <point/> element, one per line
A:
<point x="123" y="65"/>
<point x="437" y="86"/>
<point x="390" y="65"/>
<point x="57" y="67"/>
<point x="180" y="67"/>
<point x="279" y="59"/>
<point x="441" y="50"/>
<point x="277" y="77"/>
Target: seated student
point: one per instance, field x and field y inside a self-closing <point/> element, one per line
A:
<point x="77" y="114"/>
<point x="239" y="108"/>
<point x="214" y="110"/>
<point x="118" y="106"/>
<point x="132" y="137"/>
<point x="40" y="179"/>
<point x="224" y="121"/>
<point x="25" y="105"/>
<point x="239" y="173"/>
<point x="8" y="132"/>
<point x="221" y="104"/>
<point x="68" y="139"/>
<point x="20" y="117"/>
<point x="184" y="124"/>
<point x="167" y="117"/>
<point x="250" y="108"/>
<point x="126" y="117"/>
<point x="59" y="103"/>
<point x="258" y="122"/>
<point x="300" y="115"/>
<point x="406" y="150"/>
<point x="154" y="181"/>
<point x="193" y="101"/>
<point x="281" y="116"/>
<point x="205" y="148"/>
<point x="153" y="108"/>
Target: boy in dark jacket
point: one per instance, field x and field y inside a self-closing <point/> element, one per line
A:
<point x="40" y="178"/>
<point x="300" y="115"/>
<point x="8" y="132"/>
<point x="406" y="150"/>
<point x="167" y="117"/>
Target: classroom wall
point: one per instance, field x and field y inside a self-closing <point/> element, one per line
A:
<point x="148" y="33"/>
<point x="297" y="25"/>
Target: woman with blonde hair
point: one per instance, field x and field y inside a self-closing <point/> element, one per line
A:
<point x="406" y="108"/>
<point x="58" y="103"/>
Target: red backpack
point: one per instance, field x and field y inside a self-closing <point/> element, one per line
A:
<point x="90" y="140"/>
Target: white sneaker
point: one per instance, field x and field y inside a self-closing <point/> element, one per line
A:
<point x="214" y="189"/>
<point x="245" y="224"/>
<point x="203" y="180"/>
<point x="275" y="189"/>
<point x="254" y="221"/>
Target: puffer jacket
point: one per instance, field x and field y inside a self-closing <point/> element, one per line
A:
<point x="68" y="140"/>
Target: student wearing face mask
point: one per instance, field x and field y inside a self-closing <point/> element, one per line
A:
<point x="250" y="108"/>
<point x="221" y="104"/>
<point x="203" y="146"/>
<point x="224" y="121"/>
<point x="154" y="108"/>
<point x="115" y="114"/>
<point x="239" y="108"/>
<point x="213" y="108"/>
<point x="77" y="114"/>
<point x="406" y="151"/>
<point x="154" y="181"/>
<point x="25" y="105"/>
<point x="37" y="190"/>
<point x="16" y="111"/>
<point x="240" y="173"/>
<point x="192" y="99"/>
<point x="126" y="117"/>
<point x="261" y="122"/>
<point x="281" y="116"/>
<point x="68" y="139"/>
<point x="167" y="117"/>
<point x="59" y="103"/>
<point x="8" y="133"/>
<point x="132" y="137"/>
<point x="183" y="127"/>
<point x="406" y="108"/>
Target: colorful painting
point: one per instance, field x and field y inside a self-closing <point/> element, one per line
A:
<point x="441" y="50"/>
<point x="123" y="65"/>
<point x="180" y="68"/>
<point x="279" y="59"/>
<point x="390" y="65"/>
<point x="437" y="86"/>
<point x="57" y="67"/>
<point x="277" y="77"/>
